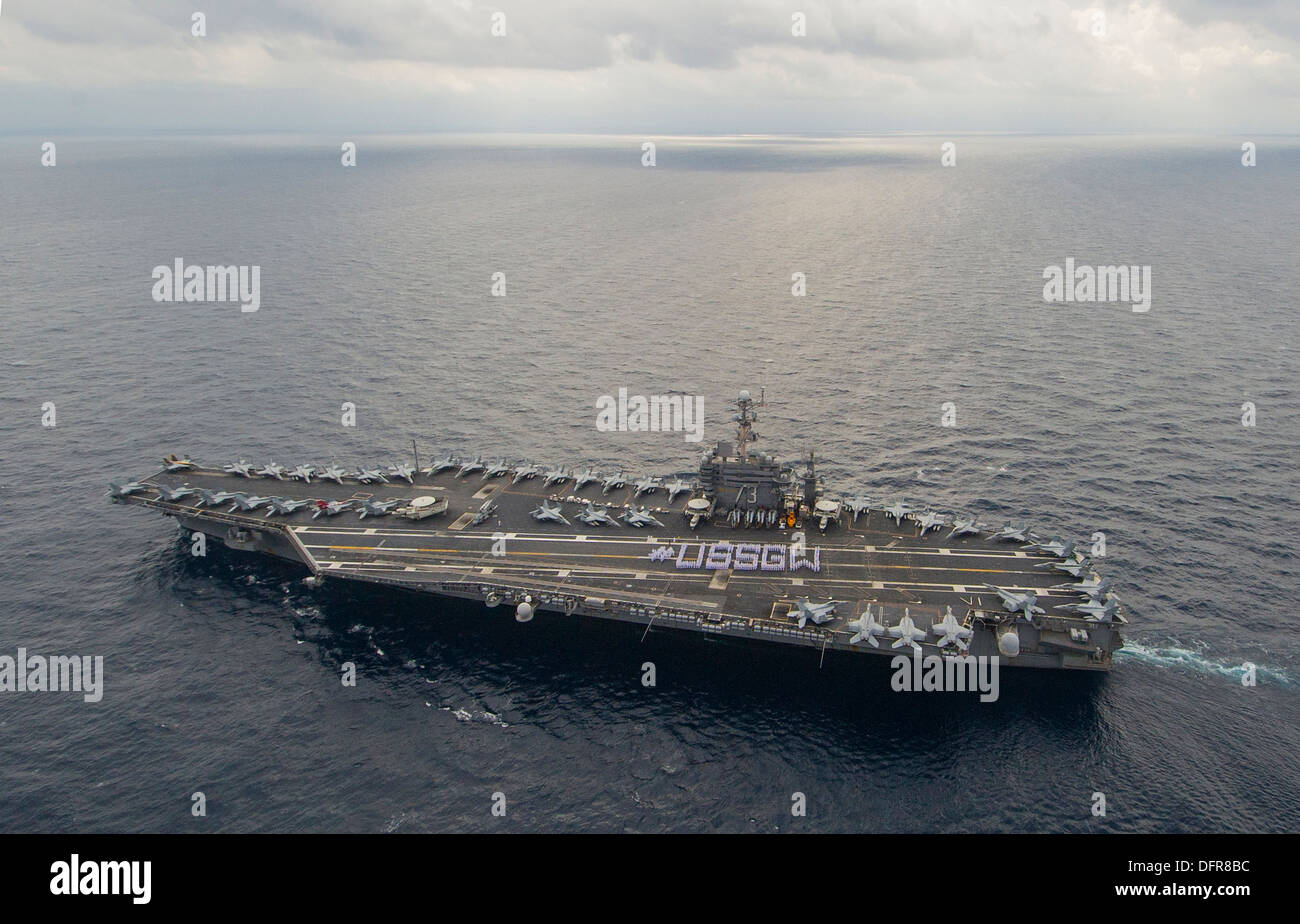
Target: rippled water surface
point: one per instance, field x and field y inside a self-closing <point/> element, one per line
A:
<point x="924" y="286"/>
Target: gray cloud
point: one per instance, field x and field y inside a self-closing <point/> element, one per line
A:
<point x="1190" y="65"/>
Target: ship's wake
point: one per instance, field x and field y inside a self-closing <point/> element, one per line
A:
<point x="1178" y="656"/>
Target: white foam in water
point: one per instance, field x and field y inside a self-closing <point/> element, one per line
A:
<point x="1176" y="656"/>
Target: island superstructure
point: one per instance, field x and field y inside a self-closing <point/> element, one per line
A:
<point x="748" y="548"/>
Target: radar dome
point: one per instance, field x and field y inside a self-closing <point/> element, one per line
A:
<point x="744" y="394"/>
<point x="524" y="612"/>
<point x="1009" y="643"/>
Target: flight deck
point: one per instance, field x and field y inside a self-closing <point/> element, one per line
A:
<point x="831" y="575"/>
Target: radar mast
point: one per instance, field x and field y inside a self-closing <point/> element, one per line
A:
<point x="745" y="419"/>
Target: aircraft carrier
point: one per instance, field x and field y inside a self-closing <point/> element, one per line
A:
<point x="747" y="548"/>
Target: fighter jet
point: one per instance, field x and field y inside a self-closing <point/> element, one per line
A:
<point x="285" y="506"/>
<point x="173" y="464"/>
<point x="213" y="498"/>
<point x="646" y="485"/>
<point x="555" y="476"/>
<point x="1055" y="546"/>
<point x="1092" y="586"/>
<point x="586" y="476"/>
<point x="1026" y="603"/>
<point x="330" y="509"/>
<point x="173" y="495"/>
<point x="639" y="518"/>
<point x="819" y="613"/>
<point x="402" y="470"/>
<point x="547" y="512"/>
<point x="858" y="505"/>
<point x="333" y="473"/>
<point x="1073" y="567"/>
<point x="1094" y="609"/>
<point x="240" y="468"/>
<point x="928" y="520"/>
<point x="952" y="631"/>
<point x="485" y="512"/>
<point x="473" y="465"/>
<point x="524" y="472"/>
<point x="1009" y="533"/>
<point x="303" y="472"/>
<point x="274" y="470"/>
<point x="370" y="476"/>
<point x="906" y="632"/>
<point x="675" y="487"/>
<point x="616" y="480"/>
<point x="593" y="517"/>
<point x="963" y="526"/>
<point x="247" y="502"/>
<point x="125" y="490"/>
<point x="494" y="470"/>
<point x="897" y="511"/>
<point x="441" y="465"/>
<point x="867" y="629"/>
<point x="375" y="508"/>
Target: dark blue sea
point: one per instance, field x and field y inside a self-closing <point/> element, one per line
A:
<point x="924" y="286"/>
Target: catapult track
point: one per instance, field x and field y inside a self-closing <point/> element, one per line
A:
<point x="652" y="576"/>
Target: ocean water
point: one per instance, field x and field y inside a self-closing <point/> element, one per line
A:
<point x="924" y="286"/>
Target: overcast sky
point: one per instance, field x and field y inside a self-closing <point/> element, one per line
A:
<point x="667" y="66"/>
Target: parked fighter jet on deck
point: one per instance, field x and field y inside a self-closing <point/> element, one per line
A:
<point x="897" y="510"/>
<point x="1025" y="603"/>
<point x="596" y="517"/>
<point x="285" y="505"/>
<point x="867" y="628"/>
<point x="473" y="465"/>
<point x="927" y="521"/>
<point x="819" y="613"/>
<point x="964" y="526"/>
<point x="125" y="490"/>
<point x="555" y="476"/>
<point x="525" y="473"/>
<point x="331" y="509"/>
<point x="213" y="498"/>
<point x="546" y="512"/>
<point x="173" y="495"/>
<point x="403" y="471"/>
<point x="858" y="505"/>
<point x="248" y="502"/>
<point x="613" y="482"/>
<point x="675" y="487"/>
<point x="372" y="508"/>
<point x="639" y="518"/>
<point x="441" y="465"/>
<point x="1009" y="533"/>
<point x="906" y="632"/>
<point x="951" y="631"/>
